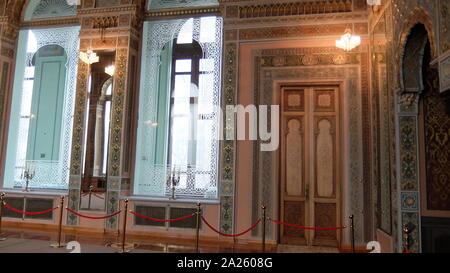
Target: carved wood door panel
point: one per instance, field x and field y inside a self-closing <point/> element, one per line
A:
<point x="310" y="164"/>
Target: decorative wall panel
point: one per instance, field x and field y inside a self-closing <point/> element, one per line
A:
<point x="170" y="4"/>
<point x="265" y="76"/>
<point x="437" y="146"/>
<point x="294" y="158"/>
<point x="228" y="149"/>
<point x="325" y="217"/>
<point x="325" y="157"/>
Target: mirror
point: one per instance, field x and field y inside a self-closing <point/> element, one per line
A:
<point x="97" y="133"/>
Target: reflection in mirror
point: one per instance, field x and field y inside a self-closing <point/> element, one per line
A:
<point x="97" y="133"/>
<point x="41" y="110"/>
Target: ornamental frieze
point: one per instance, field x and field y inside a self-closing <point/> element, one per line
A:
<point x="310" y="59"/>
<point x="295" y="8"/>
<point x="291" y="31"/>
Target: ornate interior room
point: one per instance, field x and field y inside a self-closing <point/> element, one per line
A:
<point x="129" y="149"/>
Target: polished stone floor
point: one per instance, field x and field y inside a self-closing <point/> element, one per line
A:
<point x="25" y="241"/>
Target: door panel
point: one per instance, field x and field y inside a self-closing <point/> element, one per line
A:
<point x="309" y="164"/>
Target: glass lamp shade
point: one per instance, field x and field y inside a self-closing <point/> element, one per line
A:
<point x="348" y="41"/>
<point x="89" y="57"/>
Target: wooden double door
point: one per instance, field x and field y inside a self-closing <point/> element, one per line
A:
<point x="310" y="164"/>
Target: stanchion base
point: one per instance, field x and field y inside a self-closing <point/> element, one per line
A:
<point x="56" y="245"/>
<point x="3" y="239"/>
<point x="119" y="249"/>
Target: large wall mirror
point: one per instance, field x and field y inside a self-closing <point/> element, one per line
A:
<point x="97" y="132"/>
<point x="40" y="126"/>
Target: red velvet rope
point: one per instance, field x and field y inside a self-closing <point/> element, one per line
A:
<point x="30" y="213"/>
<point x="229" y="235"/>
<point x="162" y="220"/>
<point x="98" y="196"/>
<point x="91" y="217"/>
<point x="309" y="228"/>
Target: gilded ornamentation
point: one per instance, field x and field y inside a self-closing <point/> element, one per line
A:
<point x="437" y="146"/>
<point x="106" y="22"/>
<point x="291" y="31"/>
<point x="228" y="148"/>
<point x="117" y="125"/>
<point x="408" y="100"/>
<point x="295" y="8"/>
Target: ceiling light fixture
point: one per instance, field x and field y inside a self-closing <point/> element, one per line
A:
<point x="348" y="41"/>
<point x="89" y="57"/>
<point x="110" y="70"/>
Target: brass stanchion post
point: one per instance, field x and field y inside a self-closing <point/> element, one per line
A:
<point x="197" y="234"/>
<point x="264" y="229"/>
<point x="120" y="245"/>
<point x="352" y="232"/>
<point x="91" y="187"/>
<point x="125" y="227"/>
<point x="406" y="231"/>
<point x="2" y="204"/>
<point x="61" y="213"/>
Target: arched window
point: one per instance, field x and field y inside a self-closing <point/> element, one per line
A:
<point x="45" y="9"/>
<point x="40" y="125"/>
<point x="179" y="108"/>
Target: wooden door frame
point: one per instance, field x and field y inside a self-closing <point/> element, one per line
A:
<point x="341" y="86"/>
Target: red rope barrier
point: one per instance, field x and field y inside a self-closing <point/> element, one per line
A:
<point x="309" y="228"/>
<point x="162" y="220"/>
<point x="30" y="213"/>
<point x="99" y="197"/>
<point x="229" y="235"/>
<point x="92" y="217"/>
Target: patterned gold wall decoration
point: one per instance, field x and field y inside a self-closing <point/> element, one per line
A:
<point x="116" y="138"/>
<point x="227" y="172"/>
<point x="77" y="142"/>
<point x="291" y="31"/>
<point x="437" y="146"/>
<point x="295" y="8"/>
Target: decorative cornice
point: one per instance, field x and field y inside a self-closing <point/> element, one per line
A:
<point x="90" y="11"/>
<point x="350" y="17"/>
<point x="51" y="22"/>
<point x="181" y="12"/>
<point x="294" y="8"/>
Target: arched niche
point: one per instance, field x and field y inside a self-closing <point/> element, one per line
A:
<point x="412" y="61"/>
<point x="45" y="9"/>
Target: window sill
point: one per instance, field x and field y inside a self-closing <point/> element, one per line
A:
<point x="53" y="193"/>
<point x="167" y="200"/>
